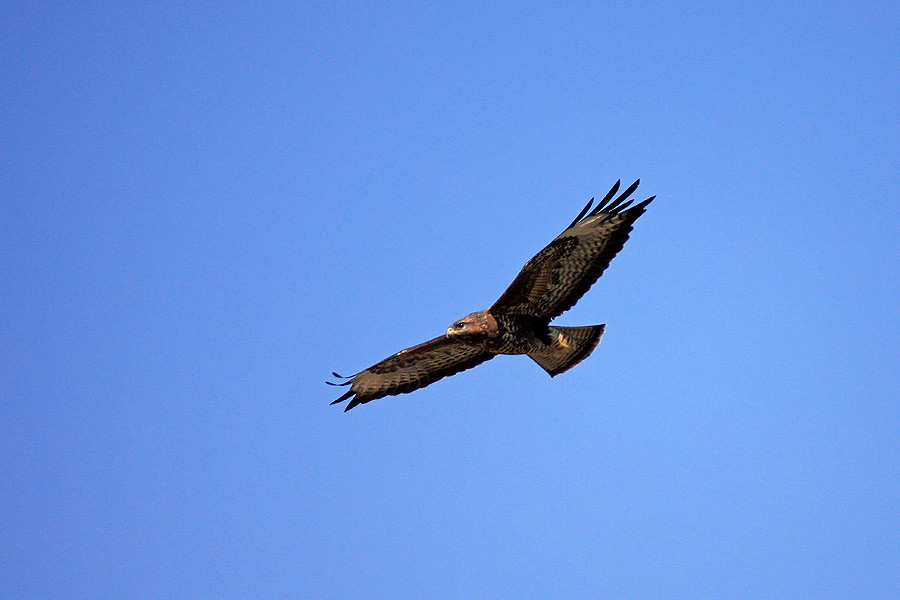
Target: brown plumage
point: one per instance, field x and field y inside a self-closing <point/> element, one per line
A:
<point x="519" y="321"/>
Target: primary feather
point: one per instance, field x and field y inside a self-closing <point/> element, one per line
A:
<point x="519" y="321"/>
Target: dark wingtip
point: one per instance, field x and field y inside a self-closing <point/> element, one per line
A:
<point x="639" y="208"/>
<point x="581" y="214"/>
<point x="339" y="376"/>
<point x="612" y="192"/>
<point x="344" y="397"/>
<point x="630" y="189"/>
<point x="610" y="206"/>
<point x="621" y="203"/>
<point x="622" y="207"/>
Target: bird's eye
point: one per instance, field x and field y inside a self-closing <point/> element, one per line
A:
<point x="459" y="326"/>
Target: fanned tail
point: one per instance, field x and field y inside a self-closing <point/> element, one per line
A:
<point x="569" y="346"/>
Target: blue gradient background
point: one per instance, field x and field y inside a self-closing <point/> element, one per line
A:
<point x="207" y="208"/>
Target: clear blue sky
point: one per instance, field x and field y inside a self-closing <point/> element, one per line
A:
<point x="207" y="208"/>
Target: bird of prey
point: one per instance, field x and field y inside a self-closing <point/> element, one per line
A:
<point x="519" y="321"/>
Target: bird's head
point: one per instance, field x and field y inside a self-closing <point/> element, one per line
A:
<point x="481" y="323"/>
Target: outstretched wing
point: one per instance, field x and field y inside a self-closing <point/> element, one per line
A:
<point x="411" y="369"/>
<point x="553" y="281"/>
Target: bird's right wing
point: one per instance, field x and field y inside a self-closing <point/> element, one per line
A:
<point x="411" y="369"/>
<point x="553" y="281"/>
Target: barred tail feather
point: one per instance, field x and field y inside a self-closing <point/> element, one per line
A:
<point x="569" y="346"/>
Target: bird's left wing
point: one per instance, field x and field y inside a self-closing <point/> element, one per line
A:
<point x="553" y="281"/>
<point x="411" y="369"/>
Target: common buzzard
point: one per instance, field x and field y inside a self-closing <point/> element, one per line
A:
<point x="519" y="321"/>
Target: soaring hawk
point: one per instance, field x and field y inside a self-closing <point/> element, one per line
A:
<point x="519" y="321"/>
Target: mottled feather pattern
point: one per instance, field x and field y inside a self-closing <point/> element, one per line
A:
<point x="519" y="322"/>
<point x="570" y="345"/>
<point x="553" y="281"/>
<point x="528" y="292"/>
<point x="413" y="368"/>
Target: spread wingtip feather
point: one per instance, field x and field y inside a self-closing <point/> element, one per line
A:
<point x="344" y="397"/>
<point x="610" y="206"/>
